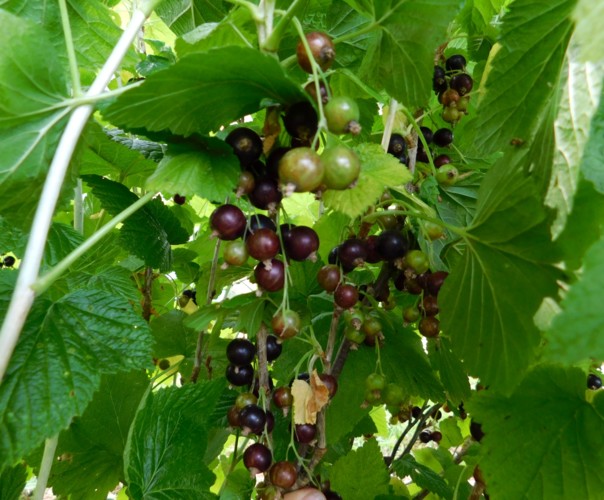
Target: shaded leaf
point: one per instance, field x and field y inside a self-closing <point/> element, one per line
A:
<point x="12" y="482"/>
<point x="422" y="475"/>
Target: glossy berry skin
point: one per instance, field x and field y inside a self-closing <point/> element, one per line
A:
<point x="246" y="183"/>
<point x="435" y="281"/>
<point x="311" y="89"/>
<point x="430" y="305"/>
<point x="418" y="261"/>
<point x="282" y="397"/>
<point x="397" y="145"/>
<point x="8" y="261"/>
<point x="301" y="121"/>
<point x="342" y="167"/>
<point x="179" y="200"/>
<point x="373" y="255"/>
<point x="301" y="170"/>
<point x="352" y="252"/>
<point x="240" y="352"/>
<point x="441" y="160"/>
<point x="305" y="433"/>
<point x="245" y="399"/>
<point x="330" y="382"/>
<point x="428" y="135"/>
<point x="425" y="436"/>
<point x="594" y="382"/>
<point x="436" y="436"/>
<point x="449" y="98"/>
<point x="266" y="194"/>
<point x="391" y="244"/>
<point x="273" y="348"/>
<point x="443" y="137"/>
<point x="252" y="418"/>
<point x="439" y="83"/>
<point x="246" y="144"/>
<point x="447" y="175"/>
<point x="329" y="277"/>
<point x="270" y="279"/>
<point x="257" y="458"/>
<point x="371" y="326"/>
<point x="462" y="83"/>
<point x="346" y="296"/>
<point x="233" y="416"/>
<point x="259" y="221"/>
<point x="416" y="412"/>
<point x="451" y="115"/>
<point x="239" y="375"/>
<point x="322" y="49"/>
<point x="429" y="327"/>
<point x="263" y="244"/>
<point x="228" y="222"/>
<point x="342" y="114"/>
<point x="283" y="474"/>
<point x="456" y="62"/>
<point x="301" y="243"/>
<point x="286" y="324"/>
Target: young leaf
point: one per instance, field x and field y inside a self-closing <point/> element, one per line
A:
<point x="168" y="440"/>
<point x="401" y="59"/>
<point x="207" y="168"/>
<point x="366" y="465"/>
<point x="203" y="91"/>
<point x="535" y="435"/>
<point x="64" y="348"/>
<point x="378" y="170"/>
<point x="92" y="448"/>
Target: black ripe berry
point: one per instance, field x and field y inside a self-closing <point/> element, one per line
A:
<point x="246" y="144"/>
<point x="435" y="281"/>
<point x="259" y="221"/>
<point x="272" y="162"/>
<point x="228" y="222"/>
<point x="253" y="419"/>
<point x="428" y="135"/>
<point x="397" y="145"/>
<point x="425" y="436"/>
<point x="305" y="433"/>
<point x="441" y="160"/>
<point x="329" y="277"/>
<point x="456" y="62"/>
<point x="321" y="48"/>
<point x="439" y="83"/>
<point x="462" y="83"/>
<point x="300" y="243"/>
<point x="352" y="253"/>
<point x="346" y="296"/>
<point x="266" y="194"/>
<point x="443" y="137"/>
<point x="240" y="352"/>
<point x="593" y="381"/>
<point x="301" y="121"/>
<point x="179" y="200"/>
<point x="436" y="436"/>
<point x="391" y="244"/>
<point x="239" y="375"/>
<point x="273" y="348"/>
<point x="270" y="277"/>
<point x="257" y="458"/>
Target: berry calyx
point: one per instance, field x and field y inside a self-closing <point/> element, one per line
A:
<point x="266" y="194"/>
<point x="462" y="83"/>
<point x="342" y="167"/>
<point x="228" y="222"/>
<point x="301" y="170"/>
<point x="447" y="175"/>
<point x="397" y="145"/>
<point x="352" y="253"/>
<point x="252" y="419"/>
<point x="342" y="114"/>
<point x="322" y="50"/>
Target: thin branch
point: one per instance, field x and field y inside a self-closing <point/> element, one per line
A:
<point x="263" y="383"/>
<point x="78" y="208"/>
<point x="50" y="446"/>
<point x="71" y="55"/>
<point x="410" y="424"/>
<point x="331" y="339"/>
<point x="147" y="293"/>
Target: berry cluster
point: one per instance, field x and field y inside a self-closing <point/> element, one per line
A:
<point x="453" y="86"/>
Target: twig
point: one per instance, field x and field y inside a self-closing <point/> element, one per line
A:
<point x="263" y="385"/>
<point x="425" y="417"/>
<point x="331" y="339"/>
<point x="147" y="295"/>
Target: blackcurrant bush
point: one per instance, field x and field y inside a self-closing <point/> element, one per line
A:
<point x="270" y="277"/>
<point x="301" y="243"/>
<point x="311" y="89"/>
<point x="301" y="121"/>
<point x="391" y="244"/>
<point x="329" y="277"/>
<point x="301" y="170"/>
<point x="462" y="83"/>
<point x="322" y="51"/>
<point x="593" y="381"/>
<point x="429" y="326"/>
<point x="443" y="137"/>
<point x="342" y="167"/>
<point x="352" y="252"/>
<point x="239" y="375"/>
<point x="455" y="62"/>
<point x="342" y="114"/>
<point x="263" y="244"/>
<point x="273" y="348"/>
<point x="305" y="433"/>
<point x="425" y="436"/>
<point x="283" y="474"/>
<point x="257" y="458"/>
<point x="259" y="221"/>
<point x="246" y="144"/>
<point x="252" y="418"/>
<point x="330" y="382"/>
<point x="228" y="222"/>
<point x="179" y="200"/>
<point x="240" y="352"/>
<point x="435" y="281"/>
<point x="266" y="194"/>
<point x="286" y="324"/>
<point x="397" y="145"/>
<point x="346" y="296"/>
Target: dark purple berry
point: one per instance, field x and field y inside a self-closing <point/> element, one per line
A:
<point x="246" y="144"/>
<point x="391" y="244"/>
<point x="240" y="352"/>
<point x="239" y="375"/>
<point x="443" y="137"/>
<point x="456" y="62"/>
<point x="228" y="222"/>
<point x="273" y="348"/>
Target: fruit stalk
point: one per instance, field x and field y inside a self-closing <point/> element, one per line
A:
<point x="23" y="295"/>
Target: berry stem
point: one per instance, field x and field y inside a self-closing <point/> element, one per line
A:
<point x="389" y="124"/>
<point x="273" y="39"/>
<point x="23" y="295"/>
<point x="78" y="208"/>
<point x="331" y="339"/>
<point x="261" y="336"/>
<point x="48" y="458"/>
<point x="71" y="55"/>
<point x="420" y="136"/>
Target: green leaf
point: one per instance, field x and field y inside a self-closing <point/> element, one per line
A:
<point x="104" y="154"/>
<point x="581" y="309"/>
<point x="62" y="240"/>
<point x="167" y="441"/>
<point x="12" y="482"/>
<point x="171" y="335"/>
<point x="201" y="92"/>
<point x="63" y="349"/>
<point x="378" y="170"/>
<point x="184" y="15"/>
<point x="115" y="280"/>
<point x="401" y="59"/>
<point x="330" y="229"/>
<point x="591" y="166"/>
<point x="545" y="435"/>
<point x="237" y="485"/>
<point x="32" y="84"/>
<point x="93" y="446"/>
<point x="150" y="231"/>
<point x="515" y="92"/>
<point x="452" y="373"/>
<point x="366" y="465"/>
<point x="422" y="475"/>
<point x="207" y="168"/>
<point x="590" y="37"/>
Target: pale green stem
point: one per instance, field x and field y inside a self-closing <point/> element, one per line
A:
<point x="43" y="282"/>
<point x="389" y="124"/>
<point x="78" y="208"/>
<point x="71" y="55"/>
<point x="50" y="446"/>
